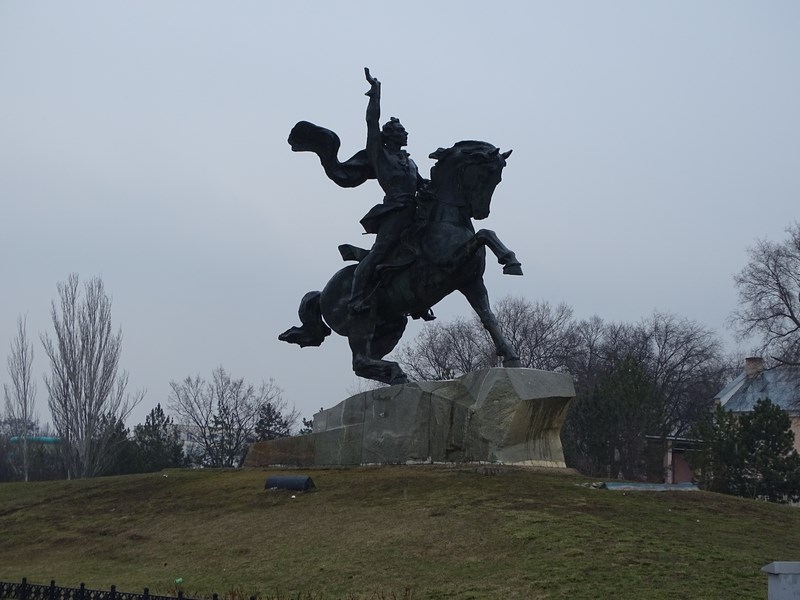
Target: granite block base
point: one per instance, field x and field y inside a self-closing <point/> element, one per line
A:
<point x="509" y="416"/>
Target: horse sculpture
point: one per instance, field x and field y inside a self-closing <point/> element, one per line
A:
<point x="442" y="253"/>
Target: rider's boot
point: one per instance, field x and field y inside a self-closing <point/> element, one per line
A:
<point x="358" y="303"/>
<point x="360" y="293"/>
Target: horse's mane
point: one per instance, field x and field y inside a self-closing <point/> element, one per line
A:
<point x="470" y="151"/>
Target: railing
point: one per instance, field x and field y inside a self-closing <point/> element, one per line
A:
<point x="33" y="591"/>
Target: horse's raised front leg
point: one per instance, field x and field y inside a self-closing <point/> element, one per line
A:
<point x="511" y="266"/>
<point x="477" y="296"/>
<point x="486" y="238"/>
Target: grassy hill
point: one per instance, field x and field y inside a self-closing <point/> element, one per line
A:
<point x="417" y="532"/>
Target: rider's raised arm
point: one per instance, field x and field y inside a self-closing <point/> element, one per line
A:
<point x="373" y="114"/>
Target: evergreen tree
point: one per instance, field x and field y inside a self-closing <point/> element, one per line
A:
<point x="157" y="443"/>
<point x="771" y="466"/>
<point x="271" y="424"/>
<point x="719" y="463"/>
<point x="611" y="424"/>
<point x="123" y="455"/>
<point x="308" y="427"/>
<point x="751" y="455"/>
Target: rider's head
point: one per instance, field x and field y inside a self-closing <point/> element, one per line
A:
<point x="394" y="132"/>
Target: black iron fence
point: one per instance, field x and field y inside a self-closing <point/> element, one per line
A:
<point x="33" y="591"/>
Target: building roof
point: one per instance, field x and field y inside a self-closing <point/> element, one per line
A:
<point x="780" y="384"/>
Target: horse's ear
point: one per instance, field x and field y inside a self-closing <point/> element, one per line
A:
<point x="438" y="154"/>
<point x="506" y="154"/>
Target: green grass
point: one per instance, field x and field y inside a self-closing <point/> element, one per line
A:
<point x="391" y="532"/>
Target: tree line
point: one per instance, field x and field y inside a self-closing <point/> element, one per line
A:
<point x="649" y="379"/>
<point x="89" y="402"/>
<point x="653" y="377"/>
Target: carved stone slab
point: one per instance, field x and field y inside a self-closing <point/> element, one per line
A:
<point x="511" y="416"/>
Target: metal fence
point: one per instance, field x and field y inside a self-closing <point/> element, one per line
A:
<point x="32" y="591"/>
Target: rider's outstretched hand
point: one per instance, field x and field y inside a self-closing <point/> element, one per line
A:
<point x="375" y="85"/>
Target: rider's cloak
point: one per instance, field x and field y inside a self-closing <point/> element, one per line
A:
<point x="307" y="137"/>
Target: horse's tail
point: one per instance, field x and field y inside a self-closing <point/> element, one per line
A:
<point x="313" y="330"/>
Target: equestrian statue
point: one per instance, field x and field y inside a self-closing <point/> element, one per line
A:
<point x="425" y="247"/>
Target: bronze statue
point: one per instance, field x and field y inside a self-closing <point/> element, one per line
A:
<point x="426" y="246"/>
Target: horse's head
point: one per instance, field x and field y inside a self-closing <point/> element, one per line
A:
<point x="466" y="175"/>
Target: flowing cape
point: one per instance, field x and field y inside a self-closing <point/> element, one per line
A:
<point x="307" y="137"/>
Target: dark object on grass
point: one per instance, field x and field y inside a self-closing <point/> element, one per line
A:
<point x="298" y="483"/>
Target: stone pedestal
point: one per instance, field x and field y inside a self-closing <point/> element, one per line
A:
<point x="510" y="416"/>
<point x="783" y="581"/>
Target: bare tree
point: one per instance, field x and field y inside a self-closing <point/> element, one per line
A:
<point x="586" y="364"/>
<point x="545" y="337"/>
<point x="682" y="359"/>
<point x="769" y="298"/>
<point x="447" y="350"/>
<point x="20" y="396"/>
<point x="86" y="390"/>
<point x="681" y="363"/>
<point x="223" y="414"/>
<point x="686" y="366"/>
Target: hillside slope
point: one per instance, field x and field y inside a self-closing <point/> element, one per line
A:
<point x="421" y="532"/>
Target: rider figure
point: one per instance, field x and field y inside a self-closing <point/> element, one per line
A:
<point x="398" y="177"/>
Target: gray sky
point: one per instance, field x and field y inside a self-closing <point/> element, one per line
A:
<point x="146" y="142"/>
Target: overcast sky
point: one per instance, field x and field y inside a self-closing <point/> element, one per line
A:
<point x="145" y="142"/>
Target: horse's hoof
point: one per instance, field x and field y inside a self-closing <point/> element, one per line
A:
<point x="512" y="269"/>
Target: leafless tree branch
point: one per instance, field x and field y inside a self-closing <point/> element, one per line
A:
<point x="86" y="391"/>
<point x="222" y="414"/>
<point x="20" y="395"/>
<point x="769" y="298"/>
